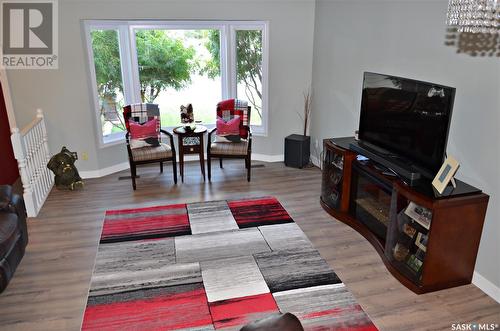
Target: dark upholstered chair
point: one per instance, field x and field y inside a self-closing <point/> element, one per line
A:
<point x="227" y="110"/>
<point x="275" y="322"/>
<point x="13" y="233"/>
<point x="142" y="113"/>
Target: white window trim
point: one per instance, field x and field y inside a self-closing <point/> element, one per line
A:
<point x="130" y="70"/>
<point x="263" y="26"/>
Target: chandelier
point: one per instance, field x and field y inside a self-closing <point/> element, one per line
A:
<point x="475" y="16"/>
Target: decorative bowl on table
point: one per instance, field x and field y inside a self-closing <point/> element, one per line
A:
<point x="190" y="127"/>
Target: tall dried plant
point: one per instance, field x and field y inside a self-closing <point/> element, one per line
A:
<point x="307" y="109"/>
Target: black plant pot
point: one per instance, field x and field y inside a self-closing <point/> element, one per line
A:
<point x="297" y="150"/>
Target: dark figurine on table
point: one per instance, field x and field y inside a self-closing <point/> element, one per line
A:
<point x="187" y="116"/>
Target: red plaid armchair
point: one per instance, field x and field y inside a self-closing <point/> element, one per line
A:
<point x="141" y="113"/>
<point x="227" y="110"/>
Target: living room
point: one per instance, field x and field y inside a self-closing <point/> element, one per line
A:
<point x="319" y="49"/>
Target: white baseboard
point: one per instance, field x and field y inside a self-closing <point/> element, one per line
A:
<point x="268" y="158"/>
<point x="125" y="165"/>
<point x="255" y="157"/>
<point x="486" y="286"/>
<point x="104" y="171"/>
<point x="315" y="161"/>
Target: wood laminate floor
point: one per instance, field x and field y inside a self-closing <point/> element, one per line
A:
<point x="49" y="290"/>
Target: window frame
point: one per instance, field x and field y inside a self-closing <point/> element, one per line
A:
<point x="238" y="26"/>
<point x="130" y="69"/>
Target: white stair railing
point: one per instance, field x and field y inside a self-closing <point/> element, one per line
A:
<point x="31" y="151"/>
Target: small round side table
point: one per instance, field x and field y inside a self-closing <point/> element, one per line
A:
<point x="191" y="142"/>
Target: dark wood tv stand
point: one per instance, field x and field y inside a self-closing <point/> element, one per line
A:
<point x="426" y="240"/>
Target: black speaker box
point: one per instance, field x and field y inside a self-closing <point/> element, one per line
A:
<point x="297" y="150"/>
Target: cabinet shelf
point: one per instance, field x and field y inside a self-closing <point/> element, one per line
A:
<point x="424" y="256"/>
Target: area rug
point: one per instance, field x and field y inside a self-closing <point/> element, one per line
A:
<point x="213" y="265"/>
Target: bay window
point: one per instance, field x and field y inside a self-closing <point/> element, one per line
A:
<point x="174" y="63"/>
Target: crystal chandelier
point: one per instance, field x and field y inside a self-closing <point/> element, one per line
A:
<point x="475" y="16"/>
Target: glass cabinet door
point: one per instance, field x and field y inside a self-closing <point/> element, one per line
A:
<point x="370" y="202"/>
<point x="331" y="189"/>
<point x="406" y="244"/>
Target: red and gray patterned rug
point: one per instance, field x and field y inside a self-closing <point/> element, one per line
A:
<point x="213" y="265"/>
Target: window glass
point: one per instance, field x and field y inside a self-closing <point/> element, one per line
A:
<point x="249" y="71"/>
<point x="109" y="82"/>
<point x="177" y="67"/>
<point x="173" y="64"/>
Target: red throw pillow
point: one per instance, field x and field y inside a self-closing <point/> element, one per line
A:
<point x="144" y="135"/>
<point x="228" y="131"/>
<point x="230" y="127"/>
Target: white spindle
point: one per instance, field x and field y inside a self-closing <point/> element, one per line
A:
<point x="32" y="153"/>
<point x="32" y="163"/>
<point x="49" y="179"/>
<point x="39" y="163"/>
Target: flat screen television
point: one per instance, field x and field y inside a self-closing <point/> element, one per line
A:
<point x="406" y="119"/>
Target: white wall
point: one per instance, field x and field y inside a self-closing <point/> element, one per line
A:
<point x="406" y="38"/>
<point x="65" y="97"/>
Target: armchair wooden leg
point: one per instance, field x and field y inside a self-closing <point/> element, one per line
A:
<point x="209" y="167"/>
<point x="174" y="168"/>
<point x="249" y="167"/>
<point x="220" y="162"/>
<point x="133" y="173"/>
<point x="161" y="167"/>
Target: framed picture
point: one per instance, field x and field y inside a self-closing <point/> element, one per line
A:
<point x="409" y="230"/>
<point x="421" y="241"/>
<point x="419" y="214"/>
<point x="414" y="263"/>
<point x="445" y="174"/>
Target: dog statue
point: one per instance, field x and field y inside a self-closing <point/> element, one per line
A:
<point x="63" y="167"/>
<point x="187" y="115"/>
